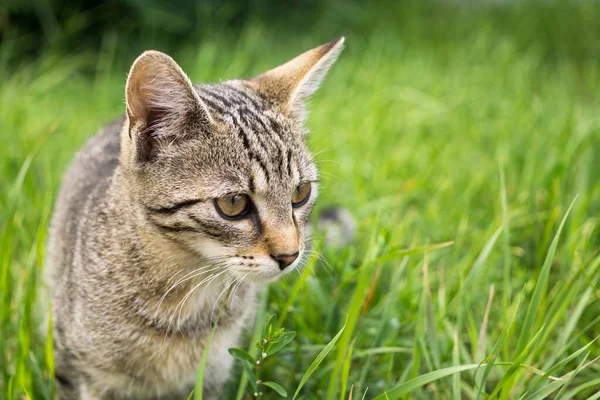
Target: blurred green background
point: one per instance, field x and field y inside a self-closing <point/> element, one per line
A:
<point x="471" y="122"/>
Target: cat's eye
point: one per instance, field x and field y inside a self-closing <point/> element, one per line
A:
<point x="233" y="206"/>
<point x="301" y="195"/>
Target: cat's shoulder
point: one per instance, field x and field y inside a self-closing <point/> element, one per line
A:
<point x="91" y="169"/>
<point x="99" y="156"/>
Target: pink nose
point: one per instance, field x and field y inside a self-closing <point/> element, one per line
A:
<point x="284" y="260"/>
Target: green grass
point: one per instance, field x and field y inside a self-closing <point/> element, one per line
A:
<point x="475" y="126"/>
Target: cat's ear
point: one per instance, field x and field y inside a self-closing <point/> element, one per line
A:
<point x="289" y="85"/>
<point x="161" y="102"/>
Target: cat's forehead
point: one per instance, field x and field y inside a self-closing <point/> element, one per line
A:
<point x="226" y="97"/>
<point x="255" y="136"/>
<point x="237" y="101"/>
<point x="239" y="106"/>
<point x="253" y="148"/>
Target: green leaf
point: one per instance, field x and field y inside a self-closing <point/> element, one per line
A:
<point x="280" y="343"/>
<point x="251" y="376"/>
<point x="269" y="327"/>
<point x="276" y="387"/>
<point x="317" y="361"/>
<point x="241" y="355"/>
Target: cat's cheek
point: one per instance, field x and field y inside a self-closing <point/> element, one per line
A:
<point x="302" y="214"/>
<point x="210" y="249"/>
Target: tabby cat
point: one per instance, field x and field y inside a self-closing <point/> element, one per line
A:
<point x="176" y="214"/>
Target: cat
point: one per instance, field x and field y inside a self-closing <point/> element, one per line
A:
<point x="173" y="215"/>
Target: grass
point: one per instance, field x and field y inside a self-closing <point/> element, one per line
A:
<point x="477" y="126"/>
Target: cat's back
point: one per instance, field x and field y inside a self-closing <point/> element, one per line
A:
<point x="83" y="188"/>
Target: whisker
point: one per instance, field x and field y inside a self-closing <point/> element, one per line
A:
<point x="328" y="175"/>
<point x="241" y="280"/>
<point x="208" y="283"/>
<point x="314" y="237"/>
<point x="187" y="277"/>
<point x="327" y="160"/>
<point x="321" y="258"/>
<point x="189" y="293"/>
<point x="228" y="299"/>
<point x="219" y="297"/>
<point x="318" y="153"/>
<point x="175" y="274"/>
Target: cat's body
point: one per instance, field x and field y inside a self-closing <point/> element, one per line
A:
<point x="173" y="216"/>
<point x="112" y="335"/>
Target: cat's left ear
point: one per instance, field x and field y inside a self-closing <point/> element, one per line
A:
<point x="289" y="85"/>
<point x="162" y="104"/>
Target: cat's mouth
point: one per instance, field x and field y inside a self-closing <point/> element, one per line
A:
<point x="264" y="268"/>
<point x="250" y="265"/>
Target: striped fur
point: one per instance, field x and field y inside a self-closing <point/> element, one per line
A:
<point x="140" y="261"/>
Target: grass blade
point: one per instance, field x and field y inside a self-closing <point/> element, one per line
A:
<point x="346" y="371"/>
<point x="252" y="350"/>
<point x="540" y="287"/>
<point x="515" y="366"/>
<point x="356" y="301"/>
<point x="558" y="365"/>
<point x="317" y="361"/>
<point x="456" y="392"/>
<point x="507" y="287"/>
<point x="395" y="254"/>
<point x="202" y="367"/>
<point x="423" y="380"/>
<point x="498" y="346"/>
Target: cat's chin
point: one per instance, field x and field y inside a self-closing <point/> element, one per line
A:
<point x="261" y="277"/>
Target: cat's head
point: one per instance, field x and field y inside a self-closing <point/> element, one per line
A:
<point x="223" y="168"/>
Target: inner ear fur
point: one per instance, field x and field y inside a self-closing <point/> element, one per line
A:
<point x="288" y="86"/>
<point x="161" y="101"/>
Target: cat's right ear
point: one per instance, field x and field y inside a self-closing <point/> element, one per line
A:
<point x="162" y="105"/>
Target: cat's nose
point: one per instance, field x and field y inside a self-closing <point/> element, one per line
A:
<point x="284" y="260"/>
